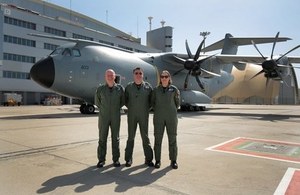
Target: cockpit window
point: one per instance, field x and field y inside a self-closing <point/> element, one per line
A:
<point x="66" y="52"/>
<point x="57" y="51"/>
<point x="76" y="52"/>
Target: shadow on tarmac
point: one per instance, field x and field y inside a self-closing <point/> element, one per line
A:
<point x="250" y="116"/>
<point x="49" y="116"/>
<point x="125" y="178"/>
<point x="181" y="114"/>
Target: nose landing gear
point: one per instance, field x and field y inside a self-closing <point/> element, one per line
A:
<point x="87" y="109"/>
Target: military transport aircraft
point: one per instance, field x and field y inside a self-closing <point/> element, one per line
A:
<point x="77" y="68"/>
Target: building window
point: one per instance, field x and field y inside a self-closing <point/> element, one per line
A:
<point x="20" y="23"/>
<point x="139" y="51"/>
<point x="106" y="42"/>
<point x="125" y="47"/>
<point x="54" y="31"/>
<point x="50" y="46"/>
<point x="77" y="36"/>
<point x="16" y="75"/>
<point x="19" y="41"/>
<point x="18" y="58"/>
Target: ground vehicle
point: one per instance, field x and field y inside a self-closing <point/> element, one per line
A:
<point x="11" y="99"/>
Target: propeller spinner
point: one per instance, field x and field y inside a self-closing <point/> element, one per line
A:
<point x="193" y="65"/>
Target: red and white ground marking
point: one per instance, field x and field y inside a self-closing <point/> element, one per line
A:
<point x="261" y="148"/>
<point x="290" y="183"/>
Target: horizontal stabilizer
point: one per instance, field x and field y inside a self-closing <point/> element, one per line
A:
<point x="239" y="41"/>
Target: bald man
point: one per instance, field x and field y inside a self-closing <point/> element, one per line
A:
<point x="109" y="98"/>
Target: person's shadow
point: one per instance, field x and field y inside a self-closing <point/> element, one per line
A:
<point x="132" y="177"/>
<point x="124" y="177"/>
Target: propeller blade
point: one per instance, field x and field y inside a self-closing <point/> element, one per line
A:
<point x="260" y="72"/>
<point x="208" y="72"/>
<point x="243" y="62"/>
<point x="288" y="52"/>
<point x="180" y="59"/>
<point x="267" y="82"/>
<point x="275" y="41"/>
<point x="188" y="49"/>
<point x="186" y="80"/>
<point x="286" y="83"/>
<point x="203" y="59"/>
<point x="284" y="66"/>
<point x="175" y="73"/>
<point x="253" y="43"/>
<point x="198" y="50"/>
<point x="279" y="74"/>
<point x="199" y="82"/>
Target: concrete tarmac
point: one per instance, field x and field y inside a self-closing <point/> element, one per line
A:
<point x="52" y="150"/>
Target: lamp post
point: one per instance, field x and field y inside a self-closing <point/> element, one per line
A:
<point x="204" y="34"/>
<point x="163" y="23"/>
<point x="150" y="23"/>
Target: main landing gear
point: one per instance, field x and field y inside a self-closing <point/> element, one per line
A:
<point x="87" y="109"/>
<point x="192" y="108"/>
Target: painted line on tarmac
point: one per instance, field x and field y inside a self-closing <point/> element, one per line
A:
<point x="290" y="183"/>
<point x="30" y="151"/>
<point x="261" y="148"/>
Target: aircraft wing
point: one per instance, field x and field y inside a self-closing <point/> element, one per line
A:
<point x="240" y="41"/>
<point x="79" y="42"/>
<point x="294" y="59"/>
<point x="224" y="59"/>
<point x="169" y="58"/>
<point x="227" y="59"/>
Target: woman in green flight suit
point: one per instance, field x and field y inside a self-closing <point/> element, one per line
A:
<point x="165" y="101"/>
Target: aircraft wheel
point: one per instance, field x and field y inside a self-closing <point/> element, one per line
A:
<point x="197" y="108"/>
<point x="202" y="108"/>
<point x="82" y="108"/>
<point x="89" y="109"/>
<point x="183" y="108"/>
<point x="191" y="108"/>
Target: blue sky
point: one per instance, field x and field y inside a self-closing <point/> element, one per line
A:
<point x="241" y="18"/>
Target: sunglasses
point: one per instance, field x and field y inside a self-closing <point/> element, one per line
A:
<point x="164" y="77"/>
<point x="136" y="73"/>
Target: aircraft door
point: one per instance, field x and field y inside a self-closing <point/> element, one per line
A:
<point x="84" y="69"/>
<point x="151" y="75"/>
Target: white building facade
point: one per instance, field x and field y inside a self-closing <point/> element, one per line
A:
<point x="19" y="51"/>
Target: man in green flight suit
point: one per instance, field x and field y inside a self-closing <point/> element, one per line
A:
<point x="109" y="98"/>
<point x="137" y="100"/>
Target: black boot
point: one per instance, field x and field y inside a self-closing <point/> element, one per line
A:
<point x="157" y="164"/>
<point x="174" y="164"/>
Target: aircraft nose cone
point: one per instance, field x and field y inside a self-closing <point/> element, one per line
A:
<point x="43" y="72"/>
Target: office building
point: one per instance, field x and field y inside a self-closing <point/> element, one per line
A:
<point x="19" y="51"/>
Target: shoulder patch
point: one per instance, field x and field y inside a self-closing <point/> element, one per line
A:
<point x="119" y="87"/>
<point x="147" y="85"/>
